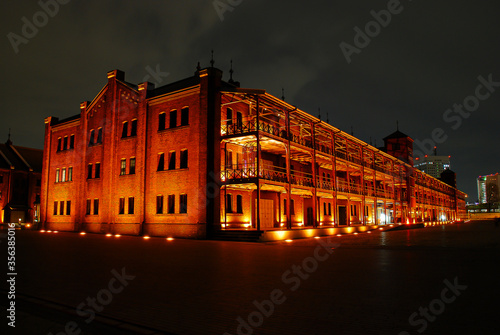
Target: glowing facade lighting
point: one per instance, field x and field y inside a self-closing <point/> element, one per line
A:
<point x="170" y="238"/>
<point x="109" y="235"/>
<point x="42" y="231"/>
<point x="82" y="233"/>
<point x="288" y="240"/>
<point x="117" y="235"/>
<point x="146" y="237"/>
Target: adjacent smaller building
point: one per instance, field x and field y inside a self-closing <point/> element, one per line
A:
<point x="20" y="183"/>
<point x="487" y="188"/>
<point x="433" y="165"/>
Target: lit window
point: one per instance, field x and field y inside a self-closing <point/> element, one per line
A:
<point x="70" y="174"/>
<point x="63" y="175"/>
<point x="132" y="166"/>
<point x="123" y="166"/>
<point x="57" y="175"/>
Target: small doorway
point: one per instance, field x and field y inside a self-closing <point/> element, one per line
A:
<point x="342" y="215"/>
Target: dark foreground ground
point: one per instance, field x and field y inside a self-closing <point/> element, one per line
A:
<point x="435" y="280"/>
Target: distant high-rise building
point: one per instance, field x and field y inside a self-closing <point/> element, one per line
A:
<point x="433" y="165"/>
<point x="487" y="188"/>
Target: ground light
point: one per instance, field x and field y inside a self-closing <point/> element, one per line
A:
<point x="288" y="241"/>
<point x="109" y="235"/>
<point x="82" y="233"/>
<point x="55" y="231"/>
<point x="368" y="232"/>
<point x="117" y="235"/>
<point x="316" y="236"/>
<point x="170" y="238"/>
<point x="49" y="231"/>
<point x="42" y="231"/>
<point x="146" y="237"/>
<point x="339" y="235"/>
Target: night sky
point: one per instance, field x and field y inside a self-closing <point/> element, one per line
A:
<point x="429" y="57"/>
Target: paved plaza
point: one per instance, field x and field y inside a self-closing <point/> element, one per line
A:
<point x="434" y="280"/>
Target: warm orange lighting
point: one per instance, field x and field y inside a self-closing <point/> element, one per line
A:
<point x="28" y="225"/>
<point x="281" y="225"/>
<point x="109" y="235"/>
<point x="381" y="229"/>
<point x="170" y="238"/>
<point x="339" y="235"/>
<point x="55" y="231"/>
<point x="49" y="231"/>
<point x="117" y="235"/>
<point x="316" y="237"/>
<point x="288" y="240"/>
<point x="355" y="233"/>
<point x="146" y="237"/>
<point x="42" y="231"/>
<point x="223" y="225"/>
<point x="83" y="233"/>
<point x="368" y="232"/>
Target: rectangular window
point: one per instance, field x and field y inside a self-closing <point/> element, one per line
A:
<point x="99" y="136"/>
<point x="68" y="207"/>
<point x="171" y="160"/>
<point x="59" y="144"/>
<point x="229" y="113"/>
<point x="173" y="119"/>
<point x="292" y="207"/>
<point x="284" y="207"/>
<point x="132" y="166"/>
<point x="133" y="128"/>
<point x="131" y="205"/>
<point x="229" y="159"/>
<point x="63" y="175"/>
<point x="161" y="162"/>
<point x="324" y="209"/>
<point x="65" y="145"/>
<point x="89" y="171"/>
<point x="171" y="204"/>
<point x="70" y="174"/>
<point x="229" y="203"/>
<point x="121" y="207"/>
<point x="330" y="209"/>
<point x="184" y="159"/>
<point x="96" y="206"/>
<point x="89" y="204"/>
<point x="239" y="204"/>
<point x="97" y="170"/>
<point x="55" y="207"/>
<point x="124" y="129"/>
<point x="159" y="204"/>
<point x="57" y="175"/>
<point x="183" y="202"/>
<point x="1" y="179"/>
<point x="72" y="142"/>
<point x="239" y="120"/>
<point x="61" y="208"/>
<point x="123" y="166"/>
<point x="353" y="210"/>
<point x="91" y="137"/>
<point x="161" y="121"/>
<point x="185" y="116"/>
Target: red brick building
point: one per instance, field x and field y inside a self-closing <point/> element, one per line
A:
<point x="20" y="183"/>
<point x="200" y="155"/>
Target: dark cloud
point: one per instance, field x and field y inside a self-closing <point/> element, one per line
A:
<point x="428" y="58"/>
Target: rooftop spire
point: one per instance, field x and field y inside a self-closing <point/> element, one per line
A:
<point x="9" y="142"/>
